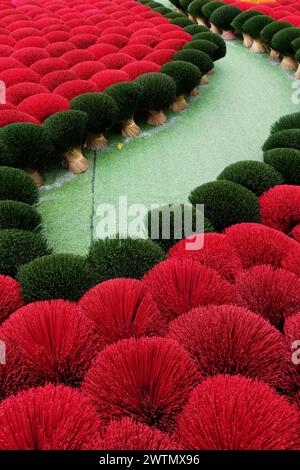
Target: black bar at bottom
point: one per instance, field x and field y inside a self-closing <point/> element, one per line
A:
<point x="143" y="459"/>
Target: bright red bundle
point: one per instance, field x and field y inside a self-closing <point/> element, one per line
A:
<point x="127" y="434"/>
<point x="231" y="340"/>
<point x="257" y="244"/>
<point x="18" y="92"/>
<point x="149" y="379"/>
<point x="161" y="56"/>
<point x="75" y="88"/>
<point x="180" y="284"/>
<point x="108" y="77"/>
<point x="280" y="207"/>
<point x="42" y="105"/>
<point x="57" y="49"/>
<point x="135" y="69"/>
<point x="55" y="341"/>
<point x="274" y="294"/>
<point x="10" y="297"/>
<point x="13" y="115"/>
<point x="121" y="308"/>
<point x="49" y="418"/>
<point x="236" y="413"/>
<point x="216" y="253"/>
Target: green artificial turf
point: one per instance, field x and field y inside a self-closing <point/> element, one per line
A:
<point x="228" y="122"/>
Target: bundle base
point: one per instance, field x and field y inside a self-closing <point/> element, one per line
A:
<point x="288" y="63"/>
<point x="36" y="176"/>
<point x="214" y="29"/>
<point x="204" y="80"/>
<point x="258" y="47"/>
<point x="75" y="161"/>
<point x="200" y="21"/>
<point x="130" y="129"/>
<point x="247" y="40"/>
<point x="194" y="92"/>
<point x="156" y="118"/>
<point x="179" y="104"/>
<point x="228" y="35"/>
<point x="96" y="142"/>
<point x="274" y="55"/>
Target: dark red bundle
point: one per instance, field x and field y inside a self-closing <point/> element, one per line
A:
<point x="216" y="253"/>
<point x="6" y="51"/>
<point x="86" y="70"/>
<point x="237" y="413"/>
<point x="8" y="63"/>
<point x="18" y="92"/>
<point x="137" y="51"/>
<point x="292" y="261"/>
<point x="175" y="44"/>
<point x="257" y="244"/>
<point x="167" y="28"/>
<point x="295" y="233"/>
<point x="75" y="88"/>
<point x="90" y="29"/>
<point x="13" y="115"/>
<point x="146" y="32"/>
<point x="10" y="296"/>
<point x="126" y="20"/>
<point x="149" y="379"/>
<point x="146" y="39"/>
<point x="20" y="24"/>
<point x="18" y="75"/>
<point x="7" y="19"/>
<point x="280" y="207"/>
<point x="55" y="340"/>
<point x="180" y="284"/>
<point x="231" y="340"/>
<point x="158" y="20"/>
<point x="117" y="30"/>
<point x="137" y="68"/>
<point x="137" y="25"/>
<point x="7" y="40"/>
<point x="44" y="66"/>
<point x="83" y="41"/>
<point x="49" y="418"/>
<point x="78" y="55"/>
<point x="100" y="50"/>
<point x="47" y="21"/>
<point x="127" y="434"/>
<point x="10" y="381"/>
<point x="274" y="294"/>
<point x="57" y="49"/>
<point x="105" y="24"/>
<point x="110" y="9"/>
<point x="54" y="27"/>
<point x="54" y="79"/>
<point x="32" y="41"/>
<point x="139" y="9"/>
<point x="121" y="308"/>
<point x="117" y="40"/>
<point x="57" y="36"/>
<point x="278" y="13"/>
<point x="42" y="105"/>
<point x="293" y="19"/>
<point x="23" y="33"/>
<point x="161" y="56"/>
<point x="116" y="61"/>
<point x="108" y="77"/>
<point x="176" y="35"/>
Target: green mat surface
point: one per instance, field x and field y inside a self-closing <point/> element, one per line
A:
<point x="229" y="121"/>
